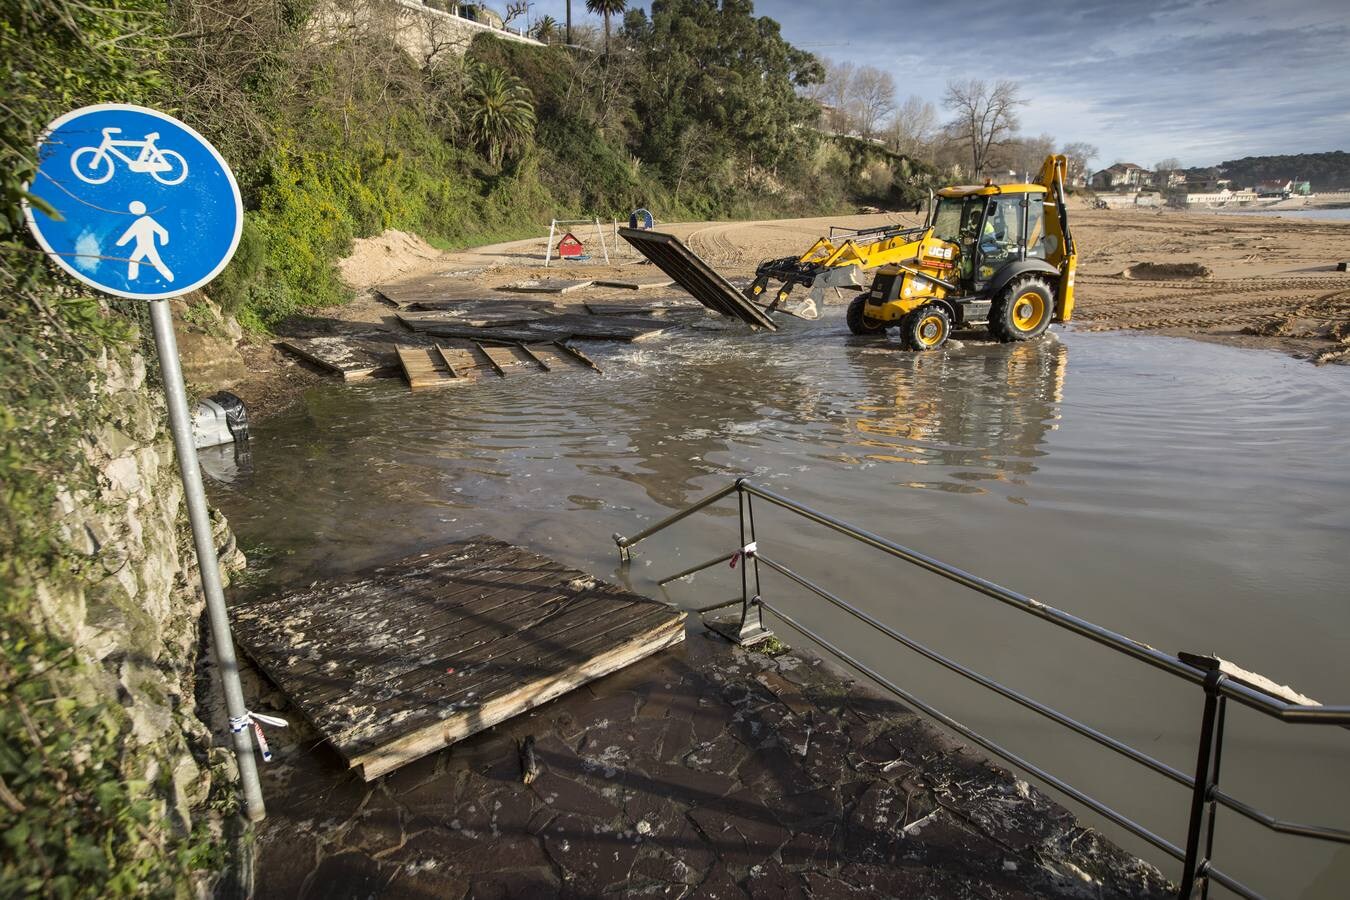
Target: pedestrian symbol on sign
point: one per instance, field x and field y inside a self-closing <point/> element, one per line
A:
<point x="122" y="232"/>
<point x="144" y="231"/>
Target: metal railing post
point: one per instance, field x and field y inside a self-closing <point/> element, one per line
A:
<point x="1195" y="867"/>
<point x="749" y="628"/>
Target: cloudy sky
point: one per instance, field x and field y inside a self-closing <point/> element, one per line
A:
<point x="1201" y="80"/>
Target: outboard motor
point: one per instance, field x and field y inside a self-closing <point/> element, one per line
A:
<point x="219" y="419"/>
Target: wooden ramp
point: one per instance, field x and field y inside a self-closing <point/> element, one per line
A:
<point x="462" y="362"/>
<point x="400" y="661"/>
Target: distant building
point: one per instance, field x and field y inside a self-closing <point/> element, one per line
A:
<point x="477" y="12"/>
<point x="1122" y="177"/>
<point x="1303" y="188"/>
<point x="1274" y="189"/>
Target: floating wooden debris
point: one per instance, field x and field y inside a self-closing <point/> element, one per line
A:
<point x="399" y="661"/>
<point x="548" y="286"/>
<point x="352" y="357"/>
<point x="466" y="362"/>
<point x="635" y="285"/>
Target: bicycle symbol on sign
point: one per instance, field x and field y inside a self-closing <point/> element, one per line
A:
<point x="95" y="165"/>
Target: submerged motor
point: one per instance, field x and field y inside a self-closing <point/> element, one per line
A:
<point x="219" y="419"/>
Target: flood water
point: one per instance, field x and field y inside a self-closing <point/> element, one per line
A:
<point x="1193" y="496"/>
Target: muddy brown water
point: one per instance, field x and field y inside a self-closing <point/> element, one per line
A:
<point x="1193" y="496"/>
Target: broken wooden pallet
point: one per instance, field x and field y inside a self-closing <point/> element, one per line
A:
<point x="466" y="362"/>
<point x="399" y="661"/>
<point x="351" y="357"/>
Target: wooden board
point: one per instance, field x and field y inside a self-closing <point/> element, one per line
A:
<point x="458" y="362"/>
<point x="635" y="285"/>
<point x="660" y="309"/>
<point x="690" y="272"/>
<point x="474" y="317"/>
<point x="481" y="304"/>
<point x="351" y="357"/>
<point x="401" y="660"/>
<point x="436" y="289"/>
<point x="572" y="325"/>
<point x="549" y="286"/>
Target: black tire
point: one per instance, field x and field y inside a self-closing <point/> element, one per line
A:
<point x="1022" y="311"/>
<point x="859" y="323"/>
<point x="926" y="328"/>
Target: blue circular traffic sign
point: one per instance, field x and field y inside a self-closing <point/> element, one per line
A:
<point x="146" y="207"/>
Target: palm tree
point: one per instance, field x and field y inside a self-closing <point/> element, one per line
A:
<point x="607" y="8"/>
<point x="546" y="30"/>
<point x="500" y="111"/>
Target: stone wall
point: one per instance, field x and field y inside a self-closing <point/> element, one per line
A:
<point x="110" y="766"/>
<point x="136" y="621"/>
<point x="423" y="31"/>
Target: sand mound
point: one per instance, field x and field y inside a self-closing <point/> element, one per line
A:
<point x="1166" y="271"/>
<point x="382" y="258"/>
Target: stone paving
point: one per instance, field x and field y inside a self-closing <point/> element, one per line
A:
<point x="706" y="771"/>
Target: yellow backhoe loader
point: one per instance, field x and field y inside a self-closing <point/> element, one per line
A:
<point x="828" y="264"/>
<point x="997" y="255"/>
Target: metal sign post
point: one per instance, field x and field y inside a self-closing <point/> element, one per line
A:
<point x="147" y="209"/>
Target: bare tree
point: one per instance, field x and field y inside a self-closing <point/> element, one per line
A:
<point x="1022" y="155"/>
<point x="1079" y="156"/>
<point x="913" y="128"/>
<point x="836" y="93"/>
<point x="985" y="116"/>
<point x="873" y="99"/>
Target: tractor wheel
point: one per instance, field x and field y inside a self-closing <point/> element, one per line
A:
<point x="858" y="323"/>
<point x="1023" y="310"/>
<point x="927" y="328"/>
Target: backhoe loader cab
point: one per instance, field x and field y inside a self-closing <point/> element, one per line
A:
<point x="999" y="255"/>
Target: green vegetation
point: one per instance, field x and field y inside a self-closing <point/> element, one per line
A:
<point x="73" y="821"/>
<point x="341" y="133"/>
<point x="1326" y="171"/>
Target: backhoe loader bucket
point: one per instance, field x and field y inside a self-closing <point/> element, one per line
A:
<point x="694" y="275"/>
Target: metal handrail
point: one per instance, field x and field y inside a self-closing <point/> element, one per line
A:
<point x="1197" y="870"/>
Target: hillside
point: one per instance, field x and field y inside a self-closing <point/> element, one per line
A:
<point x="1326" y="171"/>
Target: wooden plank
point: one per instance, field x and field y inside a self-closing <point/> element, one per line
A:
<point x="492" y="361"/>
<point x="351" y="357"/>
<point x="525" y="348"/>
<point x="635" y="285"/>
<point x="604" y="653"/>
<point x="524" y="698"/>
<point x="448" y="357"/>
<point x="502" y="314"/>
<point x="576" y="354"/>
<point x="365" y="658"/>
<point x="549" y="285"/>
